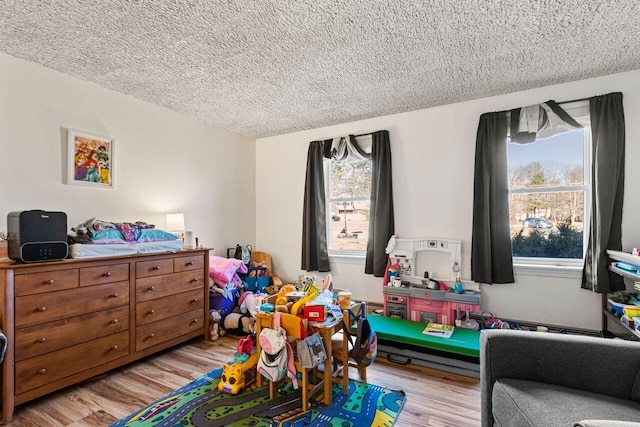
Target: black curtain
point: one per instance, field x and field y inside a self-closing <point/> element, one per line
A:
<point x="491" y="257"/>
<point x="605" y="231"/>
<point x="314" y="227"/>
<point x="381" y="219"/>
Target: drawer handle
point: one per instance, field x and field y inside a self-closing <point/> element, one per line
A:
<point x="156" y="267"/>
<point x="151" y="288"/>
<point x="42" y="309"/>
<point x="152" y="335"/>
<point x="152" y="311"/>
<point x="115" y="321"/>
<point x="194" y="300"/>
<point x="115" y="347"/>
<point x="42" y="340"/>
<point x="42" y="371"/>
<point x="49" y="282"/>
<point x="190" y="263"/>
<point x="196" y="279"/>
<point x="114" y="295"/>
<point x="107" y="274"/>
<point x="195" y="321"/>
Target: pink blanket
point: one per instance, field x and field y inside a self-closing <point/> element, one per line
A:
<point x="224" y="270"/>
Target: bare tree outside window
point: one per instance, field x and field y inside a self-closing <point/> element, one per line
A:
<point x="349" y="203"/>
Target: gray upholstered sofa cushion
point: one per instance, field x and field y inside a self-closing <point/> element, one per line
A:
<point x="605" y="423"/>
<point x="543" y="379"/>
<point x="531" y="403"/>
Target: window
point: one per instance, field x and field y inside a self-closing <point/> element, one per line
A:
<point x="348" y="186"/>
<point x="549" y="198"/>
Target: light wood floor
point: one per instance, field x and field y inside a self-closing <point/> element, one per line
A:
<point x="433" y="398"/>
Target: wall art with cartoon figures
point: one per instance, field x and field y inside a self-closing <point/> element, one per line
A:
<point x="90" y="160"/>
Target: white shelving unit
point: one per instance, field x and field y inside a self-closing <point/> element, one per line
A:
<point x="607" y="315"/>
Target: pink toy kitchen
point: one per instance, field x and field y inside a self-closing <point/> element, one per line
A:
<point x="423" y="282"/>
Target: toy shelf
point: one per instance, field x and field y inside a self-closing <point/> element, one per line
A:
<point x="607" y="315"/>
<point x="634" y="334"/>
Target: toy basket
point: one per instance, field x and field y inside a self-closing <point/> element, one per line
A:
<point x="217" y="301"/>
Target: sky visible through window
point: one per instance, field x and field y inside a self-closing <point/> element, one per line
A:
<point x="561" y="150"/>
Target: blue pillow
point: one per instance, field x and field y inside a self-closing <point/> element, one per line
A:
<point x="110" y="235"/>
<point x="152" y="234"/>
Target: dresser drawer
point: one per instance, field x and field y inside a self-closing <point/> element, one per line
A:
<point x="169" y="284"/>
<point x="41" y="339"/>
<point x="41" y="370"/>
<point x="46" y="281"/>
<point x="52" y="306"/>
<point x="164" y="330"/>
<point x="169" y="306"/>
<point x="152" y="268"/>
<point x="104" y="274"/>
<point x="185" y="263"/>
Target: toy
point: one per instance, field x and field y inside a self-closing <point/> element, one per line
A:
<point x="214" y="325"/>
<point x="285" y="290"/>
<point x="297" y="306"/>
<point x="327" y="283"/>
<point x="267" y="307"/>
<point x="238" y="373"/>
<point x="282" y="301"/>
<point x="238" y="324"/>
<point x="246" y="345"/>
<point x="249" y="303"/>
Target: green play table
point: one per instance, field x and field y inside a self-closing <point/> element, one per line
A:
<point x="463" y="341"/>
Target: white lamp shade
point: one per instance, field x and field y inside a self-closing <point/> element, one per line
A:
<point x="175" y="222"/>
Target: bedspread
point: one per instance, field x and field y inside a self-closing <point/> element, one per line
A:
<point x="225" y="270"/>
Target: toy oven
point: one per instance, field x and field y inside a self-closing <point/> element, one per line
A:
<point x="395" y="306"/>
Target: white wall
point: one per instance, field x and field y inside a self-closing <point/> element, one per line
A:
<point x="433" y="160"/>
<point x="164" y="162"/>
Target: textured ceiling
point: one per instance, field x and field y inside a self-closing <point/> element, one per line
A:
<point x="270" y="67"/>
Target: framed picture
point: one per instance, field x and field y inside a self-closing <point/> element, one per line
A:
<point x="89" y="160"/>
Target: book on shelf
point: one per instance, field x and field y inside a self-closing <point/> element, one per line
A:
<point x="439" y="330"/>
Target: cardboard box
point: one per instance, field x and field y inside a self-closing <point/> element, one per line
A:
<point x="315" y="313"/>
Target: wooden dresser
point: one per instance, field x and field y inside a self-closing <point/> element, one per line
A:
<point x="67" y="321"/>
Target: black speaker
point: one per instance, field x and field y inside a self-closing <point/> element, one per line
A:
<point x="37" y="236"/>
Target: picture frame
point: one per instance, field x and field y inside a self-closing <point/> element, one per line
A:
<point x="90" y="160"/>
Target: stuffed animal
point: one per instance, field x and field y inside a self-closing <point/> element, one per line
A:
<point x="250" y="303"/>
<point x="214" y="325"/>
<point x="238" y="324"/>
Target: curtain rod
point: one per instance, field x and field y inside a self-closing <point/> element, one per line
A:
<point x="575" y="100"/>
<point x="365" y="134"/>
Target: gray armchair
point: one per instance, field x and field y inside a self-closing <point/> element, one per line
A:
<point x="545" y="379"/>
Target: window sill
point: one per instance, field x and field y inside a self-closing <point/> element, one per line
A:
<point x="346" y="259"/>
<point x="561" y="271"/>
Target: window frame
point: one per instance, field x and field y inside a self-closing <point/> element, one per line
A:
<point x="343" y="255"/>
<point x="563" y="267"/>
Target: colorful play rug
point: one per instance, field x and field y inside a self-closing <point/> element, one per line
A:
<point x="200" y="404"/>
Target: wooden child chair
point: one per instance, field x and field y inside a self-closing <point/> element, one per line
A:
<point x="258" y="257"/>
<point x="341" y="350"/>
<point x="293" y="326"/>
